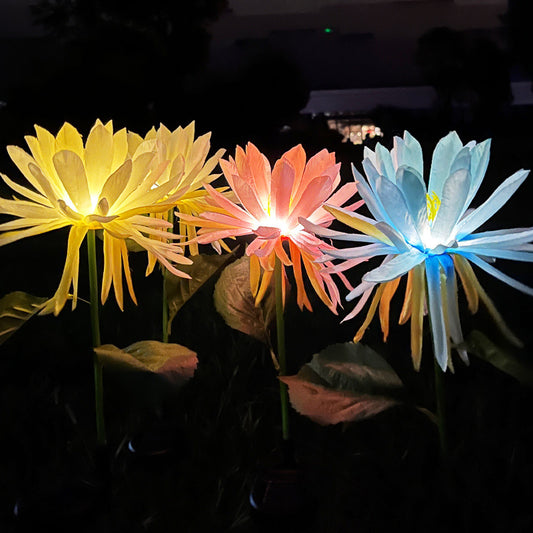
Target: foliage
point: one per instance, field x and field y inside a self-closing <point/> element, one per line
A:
<point x="236" y="304"/>
<point x="16" y="308"/>
<point x="344" y="383"/>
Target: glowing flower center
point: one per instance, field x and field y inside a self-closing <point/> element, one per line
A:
<point x="433" y="204"/>
<point x="273" y="222"/>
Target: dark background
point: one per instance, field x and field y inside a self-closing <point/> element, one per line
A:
<point x="246" y="76"/>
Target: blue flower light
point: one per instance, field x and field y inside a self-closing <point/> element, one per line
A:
<point x="428" y="234"/>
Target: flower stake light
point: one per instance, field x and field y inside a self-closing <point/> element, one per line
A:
<point x="99" y="185"/>
<point x="268" y="206"/>
<point x="429" y="234"/>
<point x="188" y="169"/>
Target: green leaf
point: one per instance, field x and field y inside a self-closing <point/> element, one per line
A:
<point x="172" y="362"/>
<point x="15" y="309"/>
<point x="235" y="302"/>
<point x="356" y="368"/>
<point x="513" y="364"/>
<point x="180" y="290"/>
<point x="344" y="383"/>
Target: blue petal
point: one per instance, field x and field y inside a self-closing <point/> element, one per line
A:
<point x="442" y="160"/>
<point x="397" y="266"/>
<point x="497" y="199"/>
<point x="480" y="159"/>
<point x="371" y="172"/>
<point x="453" y="205"/>
<point x="394" y="236"/>
<point x="360" y="289"/>
<point x="384" y="161"/>
<point x="462" y="160"/>
<point x="454" y="322"/>
<point x="497" y="274"/>
<point x="500" y="253"/>
<point x="436" y="312"/>
<point x="414" y="191"/>
<point x="394" y="204"/>
<point x="409" y="153"/>
<point x="502" y="237"/>
<point x="367" y="194"/>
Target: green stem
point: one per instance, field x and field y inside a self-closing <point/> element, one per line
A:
<point x="282" y="360"/>
<point x="95" y="329"/>
<point x="164" y="304"/>
<point x="441" y="409"/>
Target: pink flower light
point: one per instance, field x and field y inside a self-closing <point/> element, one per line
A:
<point x="269" y="205"/>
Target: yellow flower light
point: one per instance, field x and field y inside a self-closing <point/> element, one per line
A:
<point x="105" y="184"/>
<point x="188" y="167"/>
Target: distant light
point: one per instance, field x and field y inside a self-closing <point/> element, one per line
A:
<point x="328" y="30"/>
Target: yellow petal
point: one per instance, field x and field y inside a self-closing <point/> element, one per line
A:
<point x="107" y="275"/>
<point x="69" y="276"/>
<point x="12" y="236"/>
<point x="351" y="219"/>
<point x="384" y="305"/>
<point x="23" y="160"/>
<point x="71" y="172"/>
<point x="117" y="183"/>
<point x="134" y="140"/>
<point x="407" y="303"/>
<point x="370" y="314"/>
<point x="469" y="281"/>
<point x="255" y="274"/>
<point x="68" y="138"/>
<point x="301" y="295"/>
<point x="120" y="148"/>
<point x="265" y="283"/>
<point x="127" y="273"/>
<point x="46" y="143"/>
<point x="98" y="157"/>
<point x="35" y="197"/>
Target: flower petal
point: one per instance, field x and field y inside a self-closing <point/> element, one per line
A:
<point x="453" y="204"/>
<point x="441" y="162"/>
<point x="409" y="153"/>
<point x="398" y="213"/>
<point x="71" y="172"/>
<point x="397" y="266"/>
<point x="496" y="200"/>
<point x="98" y="157"/>
<point x="282" y="182"/>
<point x="497" y="274"/>
<point x="436" y="312"/>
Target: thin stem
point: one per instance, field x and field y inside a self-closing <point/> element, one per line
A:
<point x="95" y="329"/>
<point x="282" y="360"/>
<point x="441" y="409"/>
<point x="164" y="303"/>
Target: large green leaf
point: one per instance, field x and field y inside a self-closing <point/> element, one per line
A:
<point x="513" y="364"/>
<point x="344" y="383"/>
<point x="235" y="302"/>
<point x="180" y="290"/>
<point x="172" y="362"/>
<point x="15" y="309"/>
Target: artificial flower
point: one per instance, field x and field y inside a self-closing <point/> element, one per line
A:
<point x="430" y="235"/>
<point x="269" y="205"/>
<point x="187" y="165"/>
<point x="98" y="185"/>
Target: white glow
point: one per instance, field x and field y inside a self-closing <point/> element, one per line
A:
<point x="281" y="224"/>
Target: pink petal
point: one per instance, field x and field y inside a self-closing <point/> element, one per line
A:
<point x="282" y="182"/>
<point x="315" y="194"/>
<point x="228" y="205"/>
